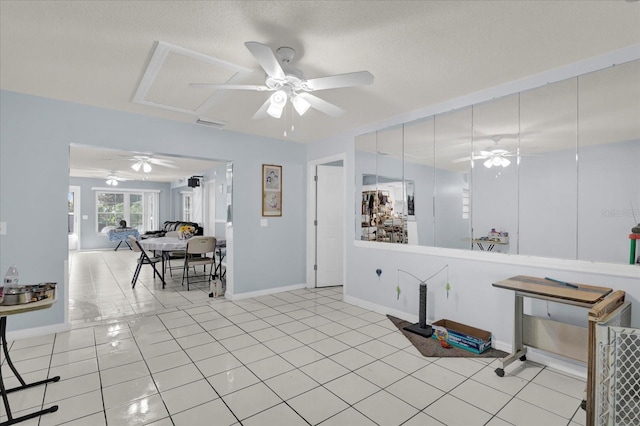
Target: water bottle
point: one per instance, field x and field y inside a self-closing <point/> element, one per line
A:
<point x="11" y="278"/>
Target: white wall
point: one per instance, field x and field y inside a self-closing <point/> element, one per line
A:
<point x="35" y="134"/>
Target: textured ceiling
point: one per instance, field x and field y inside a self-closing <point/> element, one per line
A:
<point x="420" y="52"/>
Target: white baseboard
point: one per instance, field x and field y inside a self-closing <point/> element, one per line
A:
<point x="38" y="331"/>
<point x="264" y="292"/>
<point x="558" y="363"/>
<point x="380" y="309"/>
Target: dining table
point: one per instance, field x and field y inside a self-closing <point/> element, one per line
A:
<point x="165" y="245"/>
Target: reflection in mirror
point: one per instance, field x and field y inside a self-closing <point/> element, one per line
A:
<point x="548" y="170"/>
<point x="452" y="159"/>
<point x="383" y="206"/>
<point x="494" y="201"/>
<point x="229" y="177"/>
<point x="551" y="171"/>
<point x="609" y="159"/>
<point x="365" y="165"/>
<point x="419" y="172"/>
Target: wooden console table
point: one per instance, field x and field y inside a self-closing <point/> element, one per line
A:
<point x="556" y="337"/>
<point x="4" y="312"/>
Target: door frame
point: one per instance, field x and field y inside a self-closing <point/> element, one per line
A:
<point x="77" y="215"/>
<point x="311" y="213"/>
<point x="211" y="191"/>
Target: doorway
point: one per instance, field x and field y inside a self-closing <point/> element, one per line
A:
<point x="326" y="222"/>
<point x="73" y="223"/>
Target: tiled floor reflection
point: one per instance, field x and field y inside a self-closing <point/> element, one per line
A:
<point x="172" y="357"/>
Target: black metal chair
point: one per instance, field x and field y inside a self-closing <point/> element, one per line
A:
<point x="144" y="259"/>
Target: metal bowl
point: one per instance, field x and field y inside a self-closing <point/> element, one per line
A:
<point x="17" y="295"/>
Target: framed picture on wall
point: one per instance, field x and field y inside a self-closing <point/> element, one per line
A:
<point x="271" y="190"/>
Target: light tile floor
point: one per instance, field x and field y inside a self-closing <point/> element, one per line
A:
<point x="172" y="357"/>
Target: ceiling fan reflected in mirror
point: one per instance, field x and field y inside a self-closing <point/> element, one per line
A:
<point x="144" y="162"/>
<point x="288" y="84"/>
<point x="496" y="157"/>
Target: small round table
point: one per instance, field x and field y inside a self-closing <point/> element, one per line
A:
<point x="13" y="310"/>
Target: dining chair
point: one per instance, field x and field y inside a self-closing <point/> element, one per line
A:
<point x="144" y="259"/>
<point x="196" y="254"/>
<point x="172" y="255"/>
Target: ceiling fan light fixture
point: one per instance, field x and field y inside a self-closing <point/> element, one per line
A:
<point x="112" y="182"/>
<point x="278" y="100"/>
<point x="274" y="111"/>
<point x="300" y="104"/>
<point x="504" y="162"/>
<point x="489" y="163"/>
<point x="136" y="166"/>
<point x="146" y="167"/>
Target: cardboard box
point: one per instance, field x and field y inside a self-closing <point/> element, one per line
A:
<point x="464" y="336"/>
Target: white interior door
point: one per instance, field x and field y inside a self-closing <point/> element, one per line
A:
<point x="74" y="217"/>
<point x="330" y="223"/>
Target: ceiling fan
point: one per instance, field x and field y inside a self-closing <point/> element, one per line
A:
<point x="113" y="179"/>
<point x="496" y="157"/>
<point x="144" y="162"/>
<point x="289" y="84"/>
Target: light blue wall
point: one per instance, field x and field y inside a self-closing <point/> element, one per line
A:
<point x="90" y="238"/>
<point x="35" y="134"/>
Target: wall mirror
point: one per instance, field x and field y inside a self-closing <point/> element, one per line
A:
<point x="552" y="171"/>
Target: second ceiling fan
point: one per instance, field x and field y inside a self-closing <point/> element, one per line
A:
<point x="289" y="84"/>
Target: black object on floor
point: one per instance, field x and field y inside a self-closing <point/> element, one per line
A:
<point x="421" y="327"/>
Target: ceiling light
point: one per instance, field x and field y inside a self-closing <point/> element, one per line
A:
<point x="301" y="105"/>
<point x="496" y="160"/>
<point x="112" y="182"/>
<point x="278" y="100"/>
<point x="146" y="167"/>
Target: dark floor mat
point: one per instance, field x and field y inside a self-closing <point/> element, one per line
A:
<point x="430" y="347"/>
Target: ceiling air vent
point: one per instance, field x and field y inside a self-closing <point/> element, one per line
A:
<point x="211" y="123"/>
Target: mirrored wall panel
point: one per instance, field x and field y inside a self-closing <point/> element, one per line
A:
<point x="608" y="162"/>
<point x="552" y="171"/>
<point x="451" y="210"/>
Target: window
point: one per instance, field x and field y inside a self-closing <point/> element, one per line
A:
<point x="152" y="211"/>
<point x="465" y="203"/>
<point x="187" y="202"/>
<point x="138" y="209"/>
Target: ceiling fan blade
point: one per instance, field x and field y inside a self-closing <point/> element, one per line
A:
<point x="482" y="156"/>
<point x="163" y="163"/>
<point x="267" y="60"/>
<point x="461" y="160"/>
<point x="360" y="78"/>
<point x="230" y="86"/>
<point x="322" y="105"/>
<point x="262" y="112"/>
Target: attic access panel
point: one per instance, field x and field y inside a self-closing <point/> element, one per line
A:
<point x="165" y="83"/>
